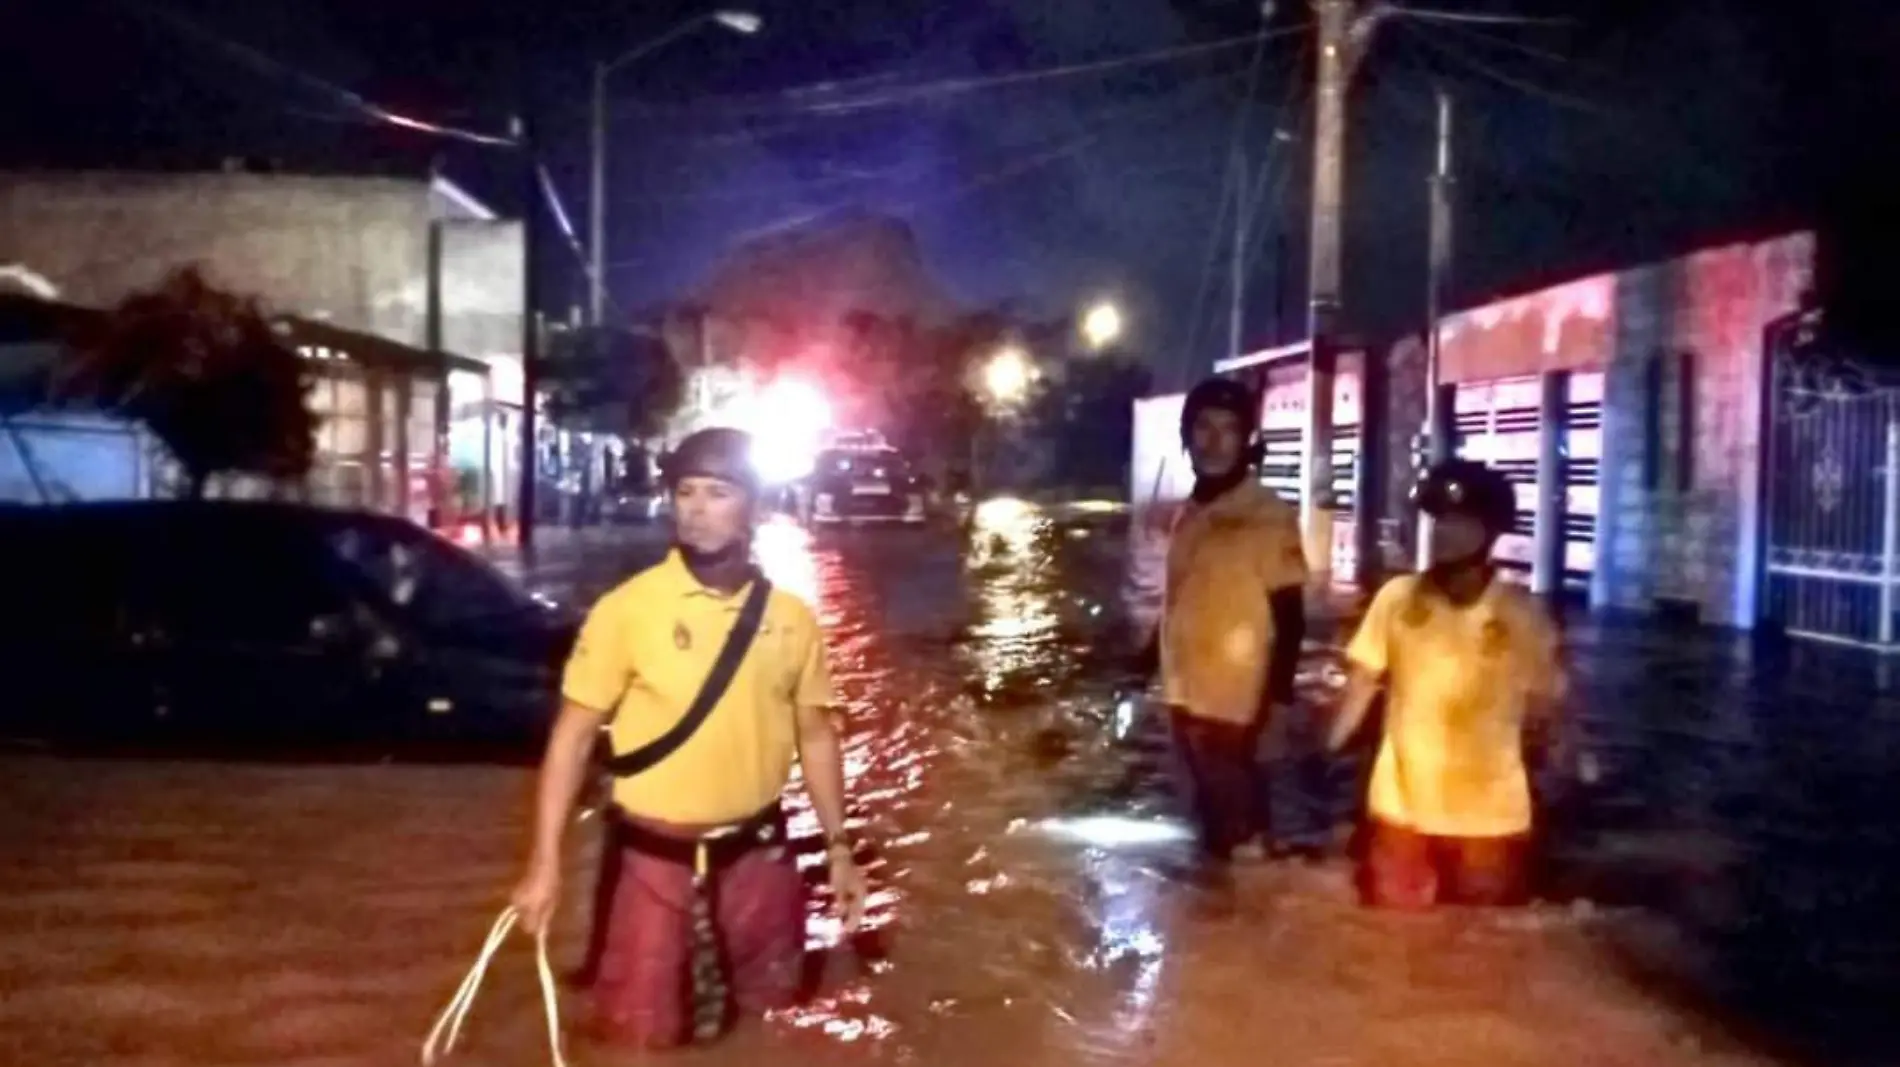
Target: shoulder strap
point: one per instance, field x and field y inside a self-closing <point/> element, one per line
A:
<point x="731" y="654"/>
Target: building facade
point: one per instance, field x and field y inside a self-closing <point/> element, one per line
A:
<point x="410" y="292"/>
<point x="1635" y="411"/>
<point x="379" y="406"/>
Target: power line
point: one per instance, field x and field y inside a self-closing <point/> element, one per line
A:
<point x="1095" y="118"/>
<point x="1476" y="18"/>
<point x="775" y="102"/>
<point x="269" y="66"/>
<point x="1234" y="181"/>
<point x="1528" y="88"/>
<point x="1248" y="206"/>
<point x="1620" y="121"/>
<point x="1009" y="172"/>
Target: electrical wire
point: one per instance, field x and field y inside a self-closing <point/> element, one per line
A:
<point x="1232" y="186"/>
<point x="1098" y="118"/>
<point x="774" y="103"/>
<point x="1476" y="18"/>
<point x="1293" y="103"/>
<point x="261" y="63"/>
<point x="1619" y="121"/>
<point x="1248" y="205"/>
<point x="1002" y="175"/>
<point x="1528" y="88"/>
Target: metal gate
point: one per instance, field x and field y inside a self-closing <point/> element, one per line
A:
<point x="1833" y="506"/>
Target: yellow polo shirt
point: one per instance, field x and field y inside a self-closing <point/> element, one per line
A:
<point x="1225" y="558"/>
<point x="644" y="651"/>
<point x="1459" y="682"/>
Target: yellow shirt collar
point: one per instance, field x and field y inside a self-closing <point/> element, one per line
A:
<point x="680" y="581"/>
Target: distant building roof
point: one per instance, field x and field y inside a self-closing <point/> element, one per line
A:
<point x="369" y="349"/>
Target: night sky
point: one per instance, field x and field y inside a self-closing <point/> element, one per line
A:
<point x="1610" y="132"/>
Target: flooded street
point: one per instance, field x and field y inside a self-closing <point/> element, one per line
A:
<point x="1030" y="903"/>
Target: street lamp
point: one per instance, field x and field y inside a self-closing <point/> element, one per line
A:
<point x="1102" y="325"/>
<point x="739" y="21"/>
<point x="1007" y="375"/>
<point x="744" y="23"/>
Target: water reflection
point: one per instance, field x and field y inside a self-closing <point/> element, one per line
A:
<point x="1008" y="559"/>
<point x="1110" y="831"/>
<point x="784" y="551"/>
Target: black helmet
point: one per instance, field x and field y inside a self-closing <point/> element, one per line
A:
<point x="1225" y="394"/>
<point x="719" y="452"/>
<point x="1467" y="487"/>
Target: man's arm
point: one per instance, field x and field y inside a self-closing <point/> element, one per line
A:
<point x="1362" y="687"/>
<point x="1368" y="656"/>
<point x="1289" y="636"/>
<point x="563" y="772"/>
<point x="596" y="677"/>
<point x="821" y="757"/>
<point x="1286" y="597"/>
<point x="1546" y="684"/>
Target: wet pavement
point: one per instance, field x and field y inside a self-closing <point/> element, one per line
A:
<point x="1725" y="882"/>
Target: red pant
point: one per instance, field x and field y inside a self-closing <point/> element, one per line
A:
<point x="1404" y="869"/>
<point x="1223" y="780"/>
<point x="641" y="994"/>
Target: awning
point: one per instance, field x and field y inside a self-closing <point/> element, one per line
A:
<point x="371" y="350"/>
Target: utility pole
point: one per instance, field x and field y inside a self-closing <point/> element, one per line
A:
<point x="1345" y="32"/>
<point x="597" y="206"/>
<point x="1237" y="270"/>
<point x="1437" y="422"/>
<point x="740" y="22"/>
<point x="530" y="330"/>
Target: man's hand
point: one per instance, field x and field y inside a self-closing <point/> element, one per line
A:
<point x="850" y="888"/>
<point x="1362" y="687"/>
<point x="534" y="899"/>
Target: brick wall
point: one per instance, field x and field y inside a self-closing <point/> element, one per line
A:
<point x="1682" y="427"/>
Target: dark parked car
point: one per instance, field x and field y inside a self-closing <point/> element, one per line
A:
<point x="266" y="625"/>
<point x="863" y="485"/>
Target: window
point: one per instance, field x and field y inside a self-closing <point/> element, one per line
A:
<point x="436" y="585"/>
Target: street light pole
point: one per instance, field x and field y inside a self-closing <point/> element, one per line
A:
<point x="740" y="22"/>
<point x="1437" y="425"/>
<point x="1237" y="268"/>
<point x="530" y="332"/>
<point x="597" y="206"/>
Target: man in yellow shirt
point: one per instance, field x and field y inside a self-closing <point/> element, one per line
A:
<point x="707" y="909"/>
<point x="1232" y="618"/>
<point x="1469" y="663"/>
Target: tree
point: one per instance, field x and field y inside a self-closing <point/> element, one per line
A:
<point x="921" y="384"/>
<point x="1085" y="420"/>
<point x="204" y="370"/>
<point x="612" y="381"/>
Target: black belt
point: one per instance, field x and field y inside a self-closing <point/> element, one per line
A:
<point x="706" y="853"/>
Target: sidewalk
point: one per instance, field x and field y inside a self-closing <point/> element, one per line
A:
<point x="559" y="548"/>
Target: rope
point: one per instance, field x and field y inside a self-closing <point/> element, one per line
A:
<point x="448" y="1025"/>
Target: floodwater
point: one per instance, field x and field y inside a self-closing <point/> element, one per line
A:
<point x="1032" y="900"/>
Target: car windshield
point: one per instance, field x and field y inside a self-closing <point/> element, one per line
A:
<point x="880" y="463"/>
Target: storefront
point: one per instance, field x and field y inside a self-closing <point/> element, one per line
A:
<point x="387" y="428"/>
